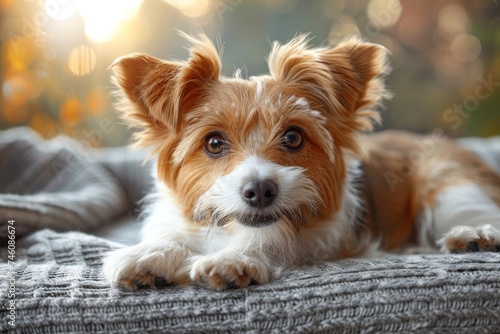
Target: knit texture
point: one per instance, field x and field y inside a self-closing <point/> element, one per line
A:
<point x="62" y="185"/>
<point x="59" y="289"/>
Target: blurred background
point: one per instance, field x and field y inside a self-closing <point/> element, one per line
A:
<point x="54" y="55"/>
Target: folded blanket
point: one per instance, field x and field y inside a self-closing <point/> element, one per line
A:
<point x="62" y="185"/>
<point x="59" y="289"/>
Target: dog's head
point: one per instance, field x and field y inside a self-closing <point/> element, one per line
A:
<point x="268" y="150"/>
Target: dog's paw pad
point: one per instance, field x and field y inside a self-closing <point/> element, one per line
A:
<point x="472" y="246"/>
<point x="135" y="281"/>
<point x="220" y="273"/>
<point x="466" y="239"/>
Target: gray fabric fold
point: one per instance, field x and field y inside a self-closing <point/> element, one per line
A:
<point x="54" y="184"/>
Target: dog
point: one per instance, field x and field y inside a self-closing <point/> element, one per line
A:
<point x="258" y="176"/>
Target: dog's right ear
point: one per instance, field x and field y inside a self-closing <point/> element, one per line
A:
<point x="155" y="94"/>
<point x="144" y="81"/>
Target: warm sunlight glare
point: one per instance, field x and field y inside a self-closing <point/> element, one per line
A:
<point x="102" y="17"/>
<point x="61" y="10"/>
<point x="191" y="8"/>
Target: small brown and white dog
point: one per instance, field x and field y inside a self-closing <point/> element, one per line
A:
<point x="262" y="175"/>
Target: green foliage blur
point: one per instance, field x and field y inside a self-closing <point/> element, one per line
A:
<point x="55" y="55"/>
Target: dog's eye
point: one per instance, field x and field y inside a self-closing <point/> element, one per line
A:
<point x="293" y="139"/>
<point x="215" y="145"/>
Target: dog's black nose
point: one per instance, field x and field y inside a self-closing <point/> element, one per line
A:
<point x="259" y="194"/>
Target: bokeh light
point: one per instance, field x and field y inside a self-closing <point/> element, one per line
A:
<point x="23" y="86"/>
<point x="72" y="112"/>
<point x="384" y="13"/>
<point x="104" y="18"/>
<point x="453" y="19"/>
<point x="44" y="124"/>
<point x="6" y="5"/>
<point x="20" y="53"/>
<point x="82" y="60"/>
<point x="96" y="100"/>
<point x="61" y="10"/>
<point x="192" y="8"/>
<point x="466" y="47"/>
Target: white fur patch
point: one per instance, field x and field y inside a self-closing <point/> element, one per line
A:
<point x="237" y="73"/>
<point x="301" y="102"/>
<point x="489" y="232"/>
<point x="259" y="89"/>
<point x="164" y="258"/>
<point x="466" y="205"/>
<point x="463" y="233"/>
<point x="164" y="221"/>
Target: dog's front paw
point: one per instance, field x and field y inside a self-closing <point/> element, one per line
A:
<point x="221" y="272"/>
<point x="463" y="239"/>
<point x="138" y="266"/>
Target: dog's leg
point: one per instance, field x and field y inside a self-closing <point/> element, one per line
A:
<point x="250" y="255"/>
<point x="467" y="219"/>
<point x="459" y="197"/>
<point x="139" y="265"/>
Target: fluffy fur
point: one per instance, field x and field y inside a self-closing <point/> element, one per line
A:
<point x="261" y="175"/>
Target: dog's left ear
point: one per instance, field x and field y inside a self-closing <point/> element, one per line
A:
<point x="345" y="83"/>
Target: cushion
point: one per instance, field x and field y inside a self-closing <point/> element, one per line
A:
<point x="60" y="289"/>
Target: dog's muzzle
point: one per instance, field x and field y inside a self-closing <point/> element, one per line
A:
<point x="258" y="193"/>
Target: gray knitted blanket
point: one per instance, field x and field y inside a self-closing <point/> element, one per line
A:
<point x="59" y="289"/>
<point x="55" y="285"/>
<point x="62" y="185"/>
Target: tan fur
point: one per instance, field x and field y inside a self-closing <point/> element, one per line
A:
<point x="437" y="163"/>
